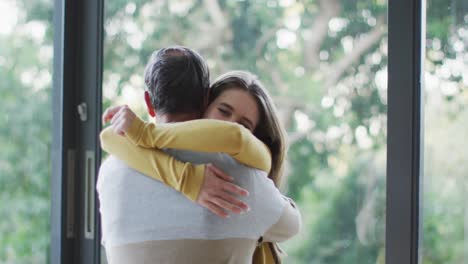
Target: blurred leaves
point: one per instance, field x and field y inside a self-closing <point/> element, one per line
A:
<point x="336" y="121"/>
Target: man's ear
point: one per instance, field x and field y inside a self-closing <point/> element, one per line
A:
<point x="149" y="105"/>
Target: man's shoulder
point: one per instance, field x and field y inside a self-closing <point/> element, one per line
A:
<point x="112" y="162"/>
<point x="114" y="170"/>
<point x="112" y="165"/>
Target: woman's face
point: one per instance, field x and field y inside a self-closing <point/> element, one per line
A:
<point x="235" y="105"/>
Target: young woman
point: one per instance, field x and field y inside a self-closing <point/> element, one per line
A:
<point x="236" y="97"/>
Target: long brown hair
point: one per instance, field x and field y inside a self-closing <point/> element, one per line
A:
<point x="269" y="130"/>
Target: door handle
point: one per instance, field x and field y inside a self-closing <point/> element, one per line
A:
<point x="89" y="203"/>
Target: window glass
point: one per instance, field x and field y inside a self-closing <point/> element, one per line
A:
<point x="324" y="62"/>
<point x="26" y="50"/>
<point x="445" y="218"/>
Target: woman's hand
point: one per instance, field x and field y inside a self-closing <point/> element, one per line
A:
<point x="121" y="118"/>
<point x="218" y="193"/>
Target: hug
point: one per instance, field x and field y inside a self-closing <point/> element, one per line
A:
<point x="200" y="183"/>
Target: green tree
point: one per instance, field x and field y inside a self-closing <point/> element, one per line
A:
<point x="25" y="70"/>
<point x="324" y="61"/>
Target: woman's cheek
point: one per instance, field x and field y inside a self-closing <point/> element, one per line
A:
<point x="220" y="116"/>
<point x="213" y="115"/>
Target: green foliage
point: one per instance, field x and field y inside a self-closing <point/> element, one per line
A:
<point x="336" y="121"/>
<point x="25" y="138"/>
<point x="24" y="165"/>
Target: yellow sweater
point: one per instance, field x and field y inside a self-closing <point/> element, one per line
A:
<point x="203" y="135"/>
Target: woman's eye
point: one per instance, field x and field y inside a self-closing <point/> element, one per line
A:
<point x="246" y="126"/>
<point x="224" y="112"/>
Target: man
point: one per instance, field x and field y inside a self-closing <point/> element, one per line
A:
<point x="145" y="221"/>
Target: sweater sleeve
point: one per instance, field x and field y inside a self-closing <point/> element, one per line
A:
<point x="182" y="176"/>
<point x="287" y="226"/>
<point x="203" y="135"/>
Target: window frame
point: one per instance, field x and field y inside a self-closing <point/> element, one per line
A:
<point x="78" y="58"/>
<point x="76" y="106"/>
<point x="406" y="36"/>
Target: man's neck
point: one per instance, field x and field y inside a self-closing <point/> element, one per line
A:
<point x="179" y="117"/>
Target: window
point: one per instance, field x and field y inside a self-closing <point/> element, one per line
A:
<point x="324" y="62"/>
<point x="26" y="51"/>
<point x="444" y="221"/>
